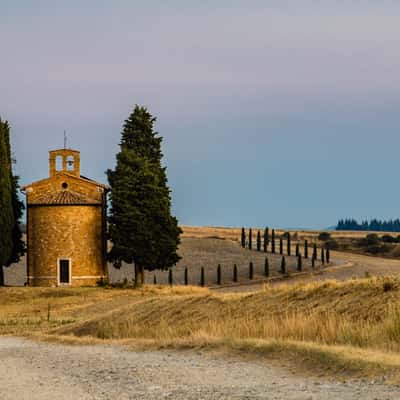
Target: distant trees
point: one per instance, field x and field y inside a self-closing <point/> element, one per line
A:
<point x="351" y="224"/>
<point x="141" y="227"/>
<point x="11" y="207"/>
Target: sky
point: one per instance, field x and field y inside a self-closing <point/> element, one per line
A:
<point x="279" y="113"/>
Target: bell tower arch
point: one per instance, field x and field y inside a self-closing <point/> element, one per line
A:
<point x="64" y="160"/>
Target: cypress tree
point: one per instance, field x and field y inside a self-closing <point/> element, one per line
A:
<point x="266" y="239"/>
<point x="280" y="245"/>
<point x="297" y="249"/>
<point x="299" y="263"/>
<point x="250" y="239"/>
<point x="273" y="241"/>
<point x="202" y="276"/>
<point x="219" y="274"/>
<point x="266" y="267"/>
<point x="283" y="265"/>
<point x="251" y="270"/>
<point x="306" y="249"/>
<point x="186" y="277"/>
<point x="170" y="279"/>
<point x="243" y="238"/>
<point x="141" y="227"/>
<point x="235" y="273"/>
<point x="258" y="241"/>
<point x="289" y="244"/>
<point x="11" y="207"/>
<point x="328" y="256"/>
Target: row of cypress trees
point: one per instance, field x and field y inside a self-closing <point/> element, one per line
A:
<point x="12" y="246"/>
<point x="283" y="269"/>
<point x="271" y="240"/>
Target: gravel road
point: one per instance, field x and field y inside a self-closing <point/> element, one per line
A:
<point x="30" y="370"/>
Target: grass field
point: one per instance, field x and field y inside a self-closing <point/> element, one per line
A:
<point x="352" y="326"/>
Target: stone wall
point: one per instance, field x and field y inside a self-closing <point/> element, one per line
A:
<point x="71" y="232"/>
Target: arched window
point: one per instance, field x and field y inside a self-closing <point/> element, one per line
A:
<point x="59" y="163"/>
<point x="70" y="163"/>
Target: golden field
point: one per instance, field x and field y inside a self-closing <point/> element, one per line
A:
<point x="343" y="326"/>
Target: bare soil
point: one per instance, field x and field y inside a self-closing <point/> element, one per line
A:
<point x="44" y="371"/>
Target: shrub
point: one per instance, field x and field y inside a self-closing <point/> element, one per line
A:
<point x="332" y="244"/>
<point x="324" y="236"/>
<point x="389" y="239"/>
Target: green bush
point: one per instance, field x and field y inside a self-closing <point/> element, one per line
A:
<point x="324" y="236"/>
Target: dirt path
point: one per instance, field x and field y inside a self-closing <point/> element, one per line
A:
<point x="348" y="266"/>
<point x="30" y="370"/>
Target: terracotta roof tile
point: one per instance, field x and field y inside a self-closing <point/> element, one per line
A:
<point x="64" y="197"/>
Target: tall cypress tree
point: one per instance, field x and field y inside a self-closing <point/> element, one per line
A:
<point x="11" y="207"/>
<point x="141" y="227"/>
<point x="289" y="244"/>
<point x="258" y="241"/>
<point x="266" y="239"/>
<point x="243" y="238"/>
<point x="273" y="241"/>
<point x="250" y="239"/>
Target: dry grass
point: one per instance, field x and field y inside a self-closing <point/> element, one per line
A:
<point x="353" y="325"/>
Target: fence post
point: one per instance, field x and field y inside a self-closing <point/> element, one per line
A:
<point x="322" y="255"/>
<point x="315" y="255"/>
<point x="328" y="256"/>
<point x="280" y="245"/>
<point x="219" y="274"/>
<point x="235" y="273"/>
<point x="186" y="277"/>
<point x="306" y="249"/>
<point x="313" y="262"/>
<point x="155" y="279"/>
<point x="297" y="249"/>
<point x="289" y="249"/>
<point x="266" y="239"/>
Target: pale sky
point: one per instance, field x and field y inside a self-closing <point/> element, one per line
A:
<point x="279" y="113"/>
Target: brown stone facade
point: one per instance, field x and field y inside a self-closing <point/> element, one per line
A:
<point x="66" y="226"/>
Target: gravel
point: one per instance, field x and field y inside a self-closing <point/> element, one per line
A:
<point x="31" y="370"/>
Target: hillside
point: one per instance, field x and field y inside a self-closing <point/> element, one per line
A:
<point x="352" y="325"/>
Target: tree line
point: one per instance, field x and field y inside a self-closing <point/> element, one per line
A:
<point x="351" y="224"/>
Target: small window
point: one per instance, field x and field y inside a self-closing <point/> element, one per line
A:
<point x="59" y="163"/>
<point x="64" y="185"/>
<point x="70" y="163"/>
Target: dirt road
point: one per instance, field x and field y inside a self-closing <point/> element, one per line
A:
<point x="30" y="370"/>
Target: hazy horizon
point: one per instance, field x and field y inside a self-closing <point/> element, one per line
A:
<point x="275" y="113"/>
